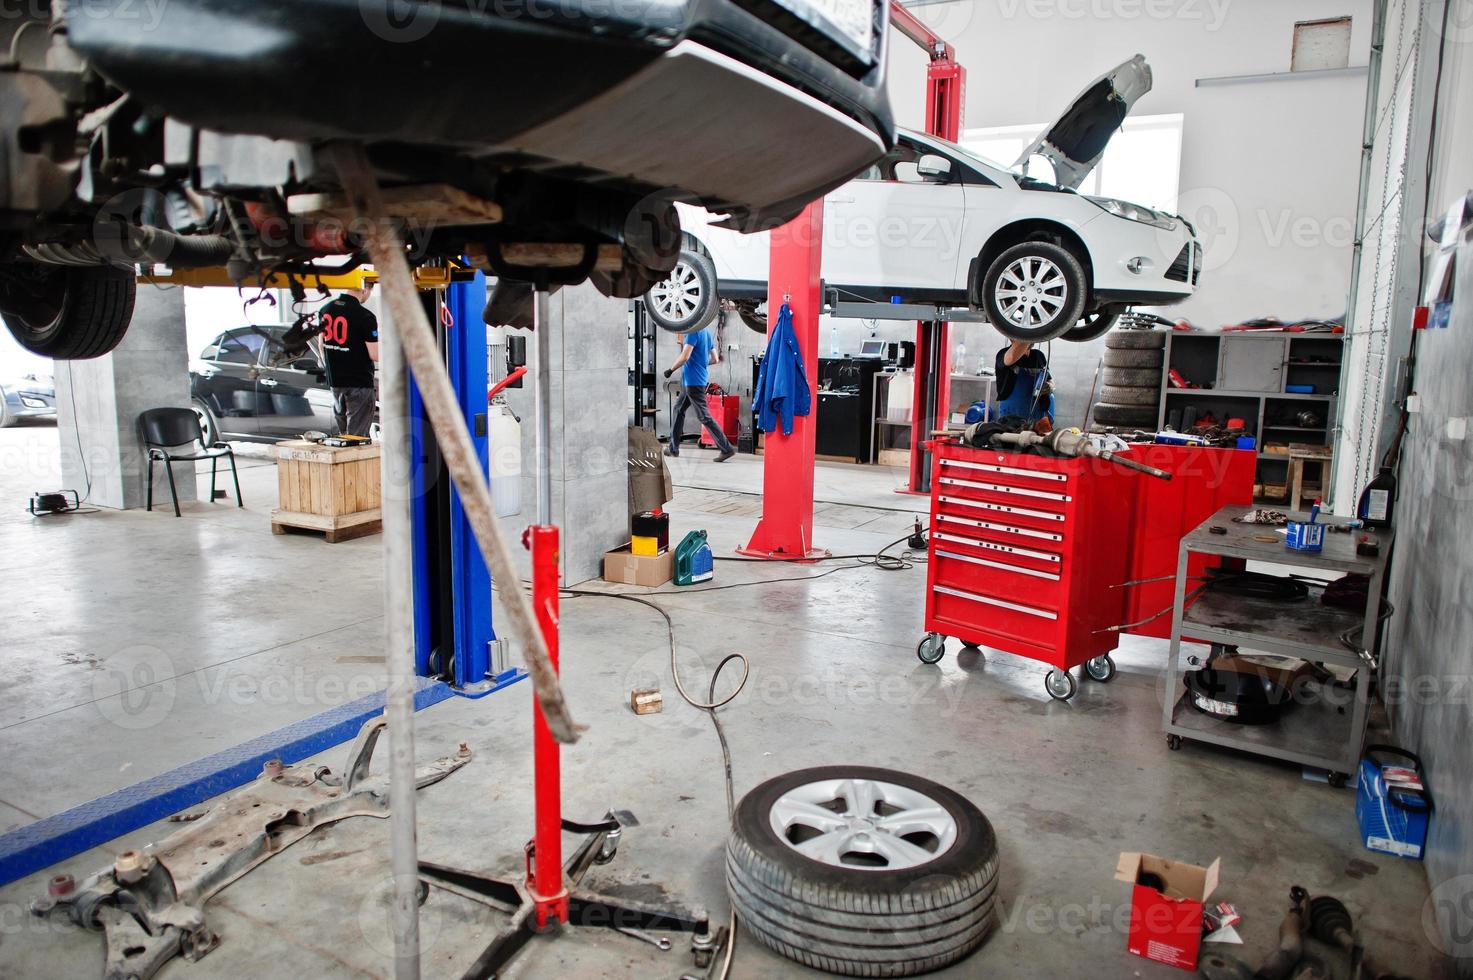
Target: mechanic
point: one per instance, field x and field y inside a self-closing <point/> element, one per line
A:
<point x="350" y="348"/>
<point x="697" y="352"/>
<point x="1024" y="386"/>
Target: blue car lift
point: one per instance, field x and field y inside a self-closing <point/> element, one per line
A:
<point x="454" y="639"/>
<point x="453" y="636"/>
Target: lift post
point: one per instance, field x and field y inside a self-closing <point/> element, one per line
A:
<point x="785" y="531"/>
<point x="946" y="90"/>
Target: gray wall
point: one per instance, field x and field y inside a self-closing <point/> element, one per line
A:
<point x="1428" y="648"/>
<point x="590" y="456"/>
<point x="99" y="400"/>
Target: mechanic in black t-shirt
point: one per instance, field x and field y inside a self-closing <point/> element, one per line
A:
<point x="350" y="348"/>
<point x="1024" y="387"/>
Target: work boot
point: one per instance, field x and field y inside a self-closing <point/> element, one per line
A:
<point x="671" y="452"/>
<point x="726" y="455"/>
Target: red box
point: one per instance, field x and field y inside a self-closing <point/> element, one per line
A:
<point x="726" y="411"/>
<point x="1166" y="921"/>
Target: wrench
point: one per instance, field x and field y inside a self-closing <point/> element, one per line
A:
<point x="642" y="936"/>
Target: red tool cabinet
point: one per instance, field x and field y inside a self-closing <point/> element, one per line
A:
<point x="726" y="411"/>
<point x="1023" y="552"/>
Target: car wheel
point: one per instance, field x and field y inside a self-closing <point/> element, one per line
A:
<point x="6" y="419"/>
<point x="1094" y="325"/>
<point x="207" y="423"/>
<point x="1129" y="396"/>
<point x="687" y="299"/>
<point x="748" y="312"/>
<point x="1131" y="358"/>
<point x="1136" y="340"/>
<point x="1126" y="416"/>
<point x="1034" y="292"/>
<point x="862" y="871"/>
<point x="67" y="313"/>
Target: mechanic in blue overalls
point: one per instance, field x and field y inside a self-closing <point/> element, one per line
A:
<point x="1024" y="387"/>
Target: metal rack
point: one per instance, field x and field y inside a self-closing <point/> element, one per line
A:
<point x="1323" y="732"/>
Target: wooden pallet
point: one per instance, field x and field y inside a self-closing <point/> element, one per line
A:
<point x="343" y="527"/>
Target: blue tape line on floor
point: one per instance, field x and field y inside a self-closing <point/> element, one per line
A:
<point x="35" y="846"/>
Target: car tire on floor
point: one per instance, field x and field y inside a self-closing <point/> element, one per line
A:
<point x="1116" y="395"/>
<point x="1136" y="340"/>
<point x="687" y="300"/>
<point x="817" y="873"/>
<point x="1133" y="377"/>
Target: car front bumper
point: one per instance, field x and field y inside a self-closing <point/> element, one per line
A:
<point x="29" y="405"/>
<point x="1148" y="266"/>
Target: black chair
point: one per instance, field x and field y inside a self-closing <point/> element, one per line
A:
<point x="173" y="435"/>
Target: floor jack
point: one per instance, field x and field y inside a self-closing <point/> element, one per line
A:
<point x="550" y="895"/>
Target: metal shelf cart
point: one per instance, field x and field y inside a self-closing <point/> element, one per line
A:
<point x="1323" y="732"/>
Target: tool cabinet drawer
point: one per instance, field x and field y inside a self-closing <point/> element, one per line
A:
<point x="1003" y="623"/>
<point x="1030" y="518"/>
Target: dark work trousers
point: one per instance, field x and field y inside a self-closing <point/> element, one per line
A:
<point x="696" y="397"/>
<point x="353" y="409"/>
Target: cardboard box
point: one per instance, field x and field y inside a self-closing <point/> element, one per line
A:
<point x="650" y="486"/>
<point x="623" y="566"/>
<point x="1393" y="809"/>
<point x="1166" y="902"/>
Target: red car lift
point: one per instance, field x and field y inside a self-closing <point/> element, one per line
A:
<point x="946" y="90"/>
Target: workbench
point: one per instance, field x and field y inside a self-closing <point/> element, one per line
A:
<point x="1325" y="729"/>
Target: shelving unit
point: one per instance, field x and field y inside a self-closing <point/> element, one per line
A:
<point x="1247" y="375"/>
<point x="1315" y="731"/>
<point x="642" y="377"/>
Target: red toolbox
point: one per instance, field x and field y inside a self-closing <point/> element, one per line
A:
<point x="726" y="410"/>
<point x="1027" y="555"/>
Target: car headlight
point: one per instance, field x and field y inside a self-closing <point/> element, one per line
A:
<point x="1134" y="212"/>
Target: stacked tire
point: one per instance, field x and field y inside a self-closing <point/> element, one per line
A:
<point x="1132" y="373"/>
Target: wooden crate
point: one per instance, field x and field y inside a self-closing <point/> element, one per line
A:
<point x="327" y="489"/>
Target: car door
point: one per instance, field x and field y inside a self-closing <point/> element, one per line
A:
<point x="227" y="381"/>
<point x="894" y="230"/>
<point x="293" y="396"/>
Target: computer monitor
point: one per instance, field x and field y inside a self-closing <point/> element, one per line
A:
<point x="872" y="348"/>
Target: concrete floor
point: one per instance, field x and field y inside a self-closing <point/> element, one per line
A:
<point x="137" y="642"/>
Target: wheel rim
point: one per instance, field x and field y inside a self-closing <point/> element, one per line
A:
<point x="863" y="824"/>
<point x="679" y="296"/>
<point x="1059" y="684"/>
<point x="204" y="424"/>
<point x="1031" y="291"/>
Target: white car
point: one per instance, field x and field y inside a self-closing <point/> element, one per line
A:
<point x="933" y="222"/>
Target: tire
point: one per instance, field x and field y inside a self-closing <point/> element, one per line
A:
<point x="1094" y="325"/>
<point x="1131" y="358"/>
<point x="931" y="648"/>
<point x="1136" y="340"/>
<point x="1060" y="288"/>
<point x="6" y="419"/>
<point x="747" y="311"/>
<point x="1129" y="396"/>
<point x="69" y="313"/>
<point x="1133" y="377"/>
<point x="862" y="921"/>
<point x="207" y="423"/>
<point x="687" y="300"/>
<point x="1132" y="416"/>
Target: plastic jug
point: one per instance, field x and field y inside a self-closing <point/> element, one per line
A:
<point x="693" y="561"/>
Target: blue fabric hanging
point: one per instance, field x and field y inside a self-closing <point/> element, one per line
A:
<point x="782" y="383"/>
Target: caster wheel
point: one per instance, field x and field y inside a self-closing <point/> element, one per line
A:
<point x="422" y="892"/>
<point x="1338" y="779"/>
<point x="1100" y="669"/>
<point x="971" y="648"/>
<point x="931" y="648"/>
<point x="1059" y="684"/>
<point x="1173" y="742"/>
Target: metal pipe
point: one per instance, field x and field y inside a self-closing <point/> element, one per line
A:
<point x="543" y="387"/>
<point x="397" y="472"/>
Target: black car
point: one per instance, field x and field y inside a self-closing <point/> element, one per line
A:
<point x="239" y="393"/>
<point x="545" y="142"/>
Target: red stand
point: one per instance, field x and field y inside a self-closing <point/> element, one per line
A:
<point x="545" y="883"/>
<point x="786" y="528"/>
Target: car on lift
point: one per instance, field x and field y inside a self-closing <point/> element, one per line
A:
<point x="932" y="222"/>
<point x="189" y="134"/>
<point x="244" y="387"/>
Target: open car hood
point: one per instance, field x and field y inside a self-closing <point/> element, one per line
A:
<point x="1075" y="143"/>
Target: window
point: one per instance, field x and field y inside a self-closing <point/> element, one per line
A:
<point x="240" y="347"/>
<point x="899" y="165"/>
<point x="1142" y="164"/>
<point x="304" y="362"/>
<point x="1321" y="44"/>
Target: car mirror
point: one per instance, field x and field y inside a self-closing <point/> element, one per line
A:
<point x="933" y="167"/>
